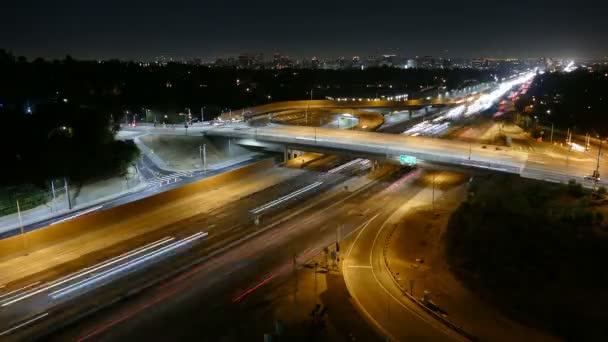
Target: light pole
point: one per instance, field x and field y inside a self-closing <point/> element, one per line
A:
<point x="433" y="200"/>
<point x="596" y="173"/>
<point x="21" y="227"/>
<point x="203" y="154"/>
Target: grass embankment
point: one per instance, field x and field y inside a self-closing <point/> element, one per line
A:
<point x="536" y="250"/>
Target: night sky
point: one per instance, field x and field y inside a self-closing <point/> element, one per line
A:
<point x="184" y="29"/>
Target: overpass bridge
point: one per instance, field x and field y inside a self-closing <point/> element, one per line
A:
<point x="274" y="107"/>
<point x="540" y="165"/>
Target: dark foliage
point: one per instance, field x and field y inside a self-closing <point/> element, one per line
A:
<point x="536" y="251"/>
<point x="577" y="100"/>
<point x="60" y="140"/>
<point x="114" y="86"/>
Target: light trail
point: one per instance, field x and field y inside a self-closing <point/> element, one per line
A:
<point x="17" y="290"/>
<point x="83" y="272"/>
<point x="343" y="166"/>
<point x="128" y="265"/>
<point x="285" y="198"/>
<point x="6" y="332"/>
<point x="76" y="215"/>
<point x="305" y="256"/>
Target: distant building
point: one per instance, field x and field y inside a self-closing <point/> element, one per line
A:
<point x="225" y="62"/>
<point x="246" y="60"/>
<point x="480" y="63"/>
<point x="387" y="60"/>
<point x="426" y="62"/>
<point x="258" y="59"/>
<point x="276" y="59"/>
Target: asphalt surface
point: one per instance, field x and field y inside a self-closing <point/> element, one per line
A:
<point x="533" y="164"/>
<point x="225" y="226"/>
<point x="222" y="298"/>
<point x="150" y="173"/>
<point x="369" y="282"/>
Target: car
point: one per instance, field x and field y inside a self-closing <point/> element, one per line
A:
<point x="591" y="178"/>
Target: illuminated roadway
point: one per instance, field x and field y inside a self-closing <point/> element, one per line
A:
<point x="304" y="104"/>
<point x="537" y="165"/>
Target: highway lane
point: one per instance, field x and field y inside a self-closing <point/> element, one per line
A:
<point x="370" y="285"/>
<point x="222" y="225"/>
<point x="203" y="308"/>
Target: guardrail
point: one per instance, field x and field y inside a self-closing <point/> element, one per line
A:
<point x="382" y="149"/>
<point x="417" y="301"/>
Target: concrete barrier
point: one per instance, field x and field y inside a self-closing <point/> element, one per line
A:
<point x="66" y="230"/>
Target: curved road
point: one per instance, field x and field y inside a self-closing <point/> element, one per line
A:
<point x="371" y="286"/>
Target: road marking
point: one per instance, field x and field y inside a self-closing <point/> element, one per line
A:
<point x="76" y="215"/>
<point x="285" y="198"/>
<point x="6" y="332"/>
<point x="432" y="322"/>
<point x="17" y="290"/>
<point x="359" y="266"/>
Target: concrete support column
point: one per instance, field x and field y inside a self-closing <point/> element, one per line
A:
<point x="285" y="154"/>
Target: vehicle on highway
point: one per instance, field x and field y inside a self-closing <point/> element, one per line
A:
<point x="592" y="178"/>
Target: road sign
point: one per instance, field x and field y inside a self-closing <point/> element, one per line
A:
<point x="405" y="159"/>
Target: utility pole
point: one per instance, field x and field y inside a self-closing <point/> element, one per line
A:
<point x="203" y="154"/>
<point x="21" y="226"/>
<point x="316" y="265"/>
<point x="596" y="174"/>
<point x="67" y="193"/>
<point x="552" y="132"/>
<point x="53" y="190"/>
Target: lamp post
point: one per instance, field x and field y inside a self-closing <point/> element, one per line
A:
<point x="203" y="154"/>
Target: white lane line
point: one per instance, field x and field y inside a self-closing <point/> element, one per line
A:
<point x="6" y="332"/>
<point x="76" y="215"/>
<point x="84" y="272"/>
<point x="343" y="166"/>
<point x="105" y="274"/>
<point x="17" y="290"/>
<point x="285" y="198"/>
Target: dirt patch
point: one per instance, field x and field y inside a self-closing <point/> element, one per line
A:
<point x="182" y="152"/>
<point x="416" y="253"/>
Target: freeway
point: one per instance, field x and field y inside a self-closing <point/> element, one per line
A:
<point x="544" y="166"/>
<point x="216" y="300"/>
<point x="360" y="103"/>
<point x="24" y="299"/>
<point x="157" y="180"/>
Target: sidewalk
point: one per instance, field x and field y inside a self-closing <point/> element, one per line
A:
<point x="88" y="196"/>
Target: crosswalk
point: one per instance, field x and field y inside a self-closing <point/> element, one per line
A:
<point x="525" y="148"/>
<point x="163" y="180"/>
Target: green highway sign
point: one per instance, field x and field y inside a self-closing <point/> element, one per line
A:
<point x="404" y="159"/>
